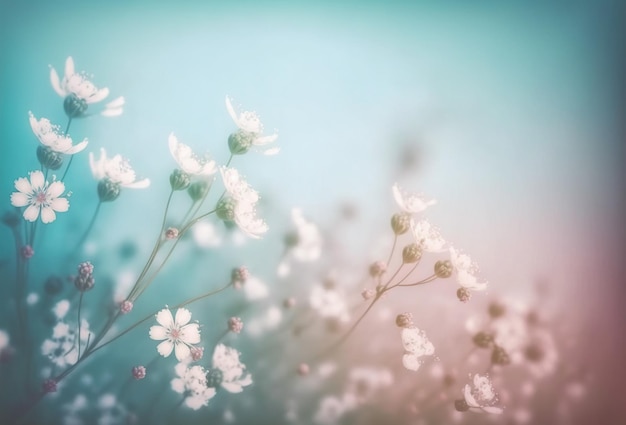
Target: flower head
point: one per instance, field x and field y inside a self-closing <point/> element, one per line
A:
<point x="427" y="236"/>
<point x="417" y="345"/>
<point x="39" y="196"/>
<point x="466" y="271"/>
<point x="250" y="132"/>
<point x="116" y="170"/>
<point x="177" y="333"/>
<point x="226" y="360"/>
<point x="240" y="204"/>
<point x="50" y="135"/>
<point x="410" y="202"/>
<point x="188" y="161"/>
<point x="481" y="395"/>
<point x="192" y="382"/>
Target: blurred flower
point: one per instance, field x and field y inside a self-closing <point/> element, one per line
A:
<point x="329" y="303"/>
<point x="410" y="202"/>
<point x="466" y="271"/>
<point x="116" y="170"/>
<point x="49" y="135"/>
<point x="62" y="347"/>
<point x="226" y="360"/>
<point x="188" y="161"/>
<point x="264" y="322"/>
<point x="304" y="244"/>
<point x="481" y="395"/>
<point x="250" y="132"/>
<point x="192" y="382"/>
<point x="39" y="196"/>
<point x="178" y="334"/>
<point x="139" y="372"/>
<point x="332" y="408"/>
<point x="417" y="345"/>
<point x="541" y="354"/>
<point x="364" y="382"/>
<point x="427" y="237"/>
<point x="239" y="205"/>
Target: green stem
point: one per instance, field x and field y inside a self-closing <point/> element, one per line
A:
<point x="88" y="230"/>
<point x="393" y="248"/>
<point x="80" y="304"/>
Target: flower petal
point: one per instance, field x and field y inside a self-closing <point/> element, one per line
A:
<point x="231" y="111"/>
<point x="141" y="184"/>
<point x="232" y="387"/>
<point x="47" y="215"/>
<point x="19" y="199"/>
<point x="77" y="148"/>
<point x="60" y="204"/>
<point x="23" y="185"/>
<point x="411" y="362"/>
<point x="165" y="348"/>
<point x="56" y="83"/>
<point x="31" y="213"/>
<point x="69" y="67"/>
<point x="492" y="409"/>
<point x="182" y="351"/>
<point x="469" y="398"/>
<point x="37" y="180"/>
<point x="55" y="189"/>
<point x="112" y="112"/>
<point x="158" y="333"/>
<point x="165" y="319"/>
<point x="98" y="96"/>
<point x="116" y="103"/>
<point x="183" y="316"/>
<point x="190" y="333"/>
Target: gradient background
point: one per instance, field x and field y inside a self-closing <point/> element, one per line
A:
<point x="509" y="113"/>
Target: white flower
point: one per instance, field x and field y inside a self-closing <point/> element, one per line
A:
<point x="427" y="236"/>
<point x="417" y="345"/>
<point x="304" y="244"/>
<point x="482" y="395"/>
<point x="364" y="382"/>
<point x="329" y="303"/>
<point x="226" y="360"/>
<point x="188" y="161"/>
<point x="332" y="408"/>
<point x="117" y="170"/>
<point x="49" y="135"/>
<point x="61" y="308"/>
<point x="541" y="354"/>
<point x="192" y="382"/>
<point x="410" y="202"/>
<point x="466" y="271"/>
<point x="38" y="195"/>
<point x="244" y="200"/>
<point x="178" y="334"/>
<point x="76" y="84"/>
<point x="250" y="124"/>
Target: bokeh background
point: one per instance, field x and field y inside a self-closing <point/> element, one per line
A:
<point x="510" y="114"/>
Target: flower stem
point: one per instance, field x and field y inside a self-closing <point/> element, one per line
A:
<point x="67" y="128"/>
<point x="80" y="304"/>
<point x="88" y="230"/>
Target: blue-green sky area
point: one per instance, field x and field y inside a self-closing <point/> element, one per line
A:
<point x="513" y="109"/>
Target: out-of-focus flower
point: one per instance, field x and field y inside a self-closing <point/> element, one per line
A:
<point x="192" y="382"/>
<point x="239" y="205"/>
<point x="332" y="408"/>
<point x="62" y="347"/>
<point x="365" y="382"/>
<point x="139" y="372"/>
<point x="178" y="334"/>
<point x="410" y="202"/>
<point x="303" y="244"/>
<point x="427" y="236"/>
<point x="541" y="354"/>
<point x="416" y="345"/>
<point x="481" y="395"/>
<point x="50" y="135"/>
<point x="39" y="196"/>
<point x="264" y="322"/>
<point x="250" y="132"/>
<point x="232" y="371"/>
<point x="116" y="170"/>
<point x="466" y="271"/>
<point x="329" y="303"/>
<point x="189" y="161"/>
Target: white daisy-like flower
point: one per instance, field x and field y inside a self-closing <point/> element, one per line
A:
<point x="177" y="333"/>
<point x="188" y="161"/>
<point x="251" y="130"/>
<point x="427" y="236"/>
<point x="411" y="203"/>
<point x="192" y="382"/>
<point x="466" y="271"/>
<point x="240" y="203"/>
<point x="481" y="395"/>
<point x="117" y="170"/>
<point x="226" y="360"/>
<point x="329" y="303"/>
<point x="417" y="345"/>
<point x="49" y="135"/>
<point x="39" y="196"/>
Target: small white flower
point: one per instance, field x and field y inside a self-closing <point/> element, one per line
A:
<point x="39" y="196"/>
<point x="178" y="334"/>
<point x="244" y="199"/>
<point x="49" y="135"/>
<point x="329" y="303"/>
<point x="417" y="345"/>
<point x="466" y="271"/>
<point x="117" y="170"/>
<point x="304" y="244"/>
<point x="188" y="161"/>
<point x="76" y="84"/>
<point x="427" y="236"/>
<point x="192" y="382"/>
<point x="250" y="123"/>
<point x="481" y="395"/>
<point x="226" y="360"/>
<point x="332" y="408"/>
<point x="61" y="308"/>
<point x="410" y="202"/>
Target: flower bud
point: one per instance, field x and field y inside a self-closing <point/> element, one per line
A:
<point x="49" y="386"/>
<point x="463" y="294"/>
<point x="108" y="191"/>
<point x="139" y="372"/>
<point x="461" y="405"/>
<point x="303" y="369"/>
<point x="196" y="353"/>
<point x="235" y="325"/>
<point x="11" y="219"/>
<point x="27" y="252"/>
<point x="368" y="293"/>
<point x="534" y="353"/>
<point x="496" y="309"/>
<point x="483" y="339"/>
<point x="179" y="180"/>
<point x="240" y="141"/>
<point x="85" y="269"/>
<point x="404" y="320"/>
<point x="171" y="233"/>
<point x="448" y="380"/>
<point x="400" y="223"/>
<point x="214" y="378"/>
<point x="291" y="239"/>
<point x="225" y="209"/>
<point x="49" y="158"/>
<point x="289" y="302"/>
<point x="499" y="356"/>
<point x="126" y="307"/>
<point x="411" y="253"/>
<point x="239" y="276"/>
<point x="84" y="283"/>
<point x="377" y="268"/>
<point x="198" y="190"/>
<point x="53" y="285"/>
<point x="329" y="284"/>
<point x="74" y="106"/>
<point x="443" y="269"/>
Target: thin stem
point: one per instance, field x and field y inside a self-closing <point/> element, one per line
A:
<point x="67" y="128"/>
<point x="421" y="282"/>
<point x="88" y="230"/>
<point x="80" y="304"/>
<point x="393" y="247"/>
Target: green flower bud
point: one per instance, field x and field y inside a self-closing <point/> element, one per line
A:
<point x="240" y="142"/>
<point x="499" y="356"/>
<point x="225" y="209"/>
<point x="198" y="190"/>
<point x="11" y="219"/>
<point x="214" y="378"/>
<point x="443" y="269"/>
<point x="73" y="106"/>
<point x="108" y="191"/>
<point x="404" y="320"/>
<point x="483" y="339"/>
<point x="179" y="180"/>
<point x="49" y="158"/>
<point x="463" y="294"/>
<point x="400" y="223"/>
<point x="411" y="253"/>
<point x="461" y="405"/>
<point x="496" y="309"/>
<point x="291" y="239"/>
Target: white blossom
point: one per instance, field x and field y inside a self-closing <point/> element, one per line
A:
<point x="329" y="303"/>
<point x="50" y="135"/>
<point x="481" y="395"/>
<point x="466" y="271"/>
<point x="416" y="345"/>
<point x="244" y="199"/>
<point x="117" y="170"/>
<point x="188" y="161"/>
<point x="192" y="382"/>
<point x="250" y="123"/>
<point x="76" y="84"/>
<point x="39" y="196"/>
<point x="226" y="360"/>
<point x="427" y="236"/>
<point x="177" y="333"/>
<point x="410" y="202"/>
